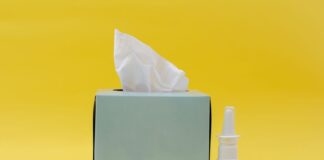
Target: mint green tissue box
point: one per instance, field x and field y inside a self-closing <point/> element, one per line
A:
<point x="151" y="126"/>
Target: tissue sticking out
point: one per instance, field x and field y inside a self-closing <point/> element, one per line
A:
<point x="227" y="149"/>
<point x="141" y="69"/>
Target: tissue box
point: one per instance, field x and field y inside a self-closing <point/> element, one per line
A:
<point x="151" y="126"/>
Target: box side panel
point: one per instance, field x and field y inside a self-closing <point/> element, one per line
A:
<point x="94" y="128"/>
<point x="210" y="127"/>
<point x="154" y="128"/>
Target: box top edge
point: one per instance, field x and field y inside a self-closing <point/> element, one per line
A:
<point x="112" y="92"/>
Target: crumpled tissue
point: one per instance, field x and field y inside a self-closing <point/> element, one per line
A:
<point x="141" y="69"/>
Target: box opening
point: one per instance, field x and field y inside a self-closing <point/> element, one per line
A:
<point x="121" y="90"/>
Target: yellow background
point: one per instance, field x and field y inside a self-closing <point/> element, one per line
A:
<point x="266" y="57"/>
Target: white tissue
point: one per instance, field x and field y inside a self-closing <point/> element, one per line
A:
<point x="141" y="69"/>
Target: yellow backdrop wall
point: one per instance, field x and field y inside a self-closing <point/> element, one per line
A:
<point x="266" y="57"/>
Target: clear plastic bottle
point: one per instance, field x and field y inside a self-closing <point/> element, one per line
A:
<point x="227" y="148"/>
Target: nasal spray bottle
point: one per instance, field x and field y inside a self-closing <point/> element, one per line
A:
<point x="227" y="148"/>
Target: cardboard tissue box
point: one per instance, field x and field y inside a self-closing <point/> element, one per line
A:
<point x="151" y="126"/>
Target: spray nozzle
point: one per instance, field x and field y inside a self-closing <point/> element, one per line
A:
<point x="229" y="124"/>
